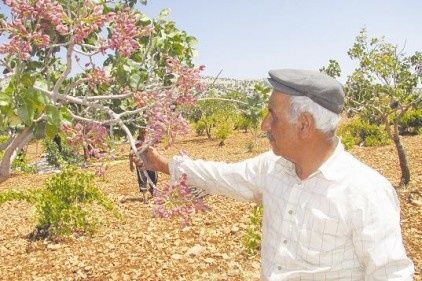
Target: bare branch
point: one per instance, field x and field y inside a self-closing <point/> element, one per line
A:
<point x="109" y="97"/>
<point x="222" y="99"/>
<point x="66" y="72"/>
<point x="6" y="65"/>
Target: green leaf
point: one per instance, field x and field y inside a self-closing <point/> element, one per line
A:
<point x="134" y="80"/>
<point x="65" y="115"/>
<point x="191" y="40"/>
<point x="53" y="115"/>
<point x="43" y="98"/>
<point x="163" y="14"/>
<point x="39" y="130"/>
<point x="4" y="99"/>
<point x="26" y="80"/>
<point x="51" y="130"/>
<point x="26" y="113"/>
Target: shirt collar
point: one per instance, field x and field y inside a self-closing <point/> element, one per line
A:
<point x="329" y="167"/>
<point x="286" y="166"/>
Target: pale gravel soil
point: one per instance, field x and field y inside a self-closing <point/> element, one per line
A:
<point x="142" y="248"/>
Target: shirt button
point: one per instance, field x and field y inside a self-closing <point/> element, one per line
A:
<point x="279" y="267"/>
<point x="285" y="241"/>
<point x="290" y="212"/>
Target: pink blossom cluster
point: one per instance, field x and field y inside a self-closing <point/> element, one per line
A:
<point x="125" y="33"/>
<point x="21" y="39"/>
<point x="188" y="80"/>
<point x="139" y="99"/>
<point x="91" y="137"/>
<point x="177" y="200"/>
<point x="28" y="27"/>
<point x="17" y="46"/>
<point x="165" y="121"/>
<point x="143" y="98"/>
<point x="97" y="77"/>
<point x="33" y="21"/>
<point x="48" y="10"/>
<point x="91" y="19"/>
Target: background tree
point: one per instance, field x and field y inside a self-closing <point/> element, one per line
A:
<point x="332" y="69"/>
<point x="229" y="105"/>
<point x="382" y="88"/>
<point x="91" y="62"/>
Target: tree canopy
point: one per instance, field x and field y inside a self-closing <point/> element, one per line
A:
<point x="91" y="62"/>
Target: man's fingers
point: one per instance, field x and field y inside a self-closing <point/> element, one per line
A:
<point x="140" y="160"/>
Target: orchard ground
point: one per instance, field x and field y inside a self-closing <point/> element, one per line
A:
<point x="139" y="247"/>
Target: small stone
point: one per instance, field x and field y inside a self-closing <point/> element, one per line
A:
<point x="53" y="247"/>
<point x="195" y="250"/>
<point x="256" y="265"/>
<point x="234" y="229"/>
<point x="177" y="257"/>
<point x="209" y="260"/>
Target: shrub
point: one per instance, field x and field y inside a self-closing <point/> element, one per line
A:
<point x="3" y="138"/>
<point x="411" y="123"/>
<point x="250" y="145"/>
<point x="67" y="155"/>
<point x="64" y="206"/>
<point x="253" y="232"/>
<point x="360" y="132"/>
<point x="348" y="140"/>
<point x="223" y="130"/>
<point x="200" y="128"/>
<point x="20" y="163"/>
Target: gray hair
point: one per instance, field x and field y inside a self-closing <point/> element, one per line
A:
<point x="325" y="120"/>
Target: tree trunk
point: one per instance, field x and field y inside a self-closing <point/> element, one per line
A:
<point x="208" y="130"/>
<point x="393" y="133"/>
<point x="405" y="172"/>
<point x="11" y="151"/>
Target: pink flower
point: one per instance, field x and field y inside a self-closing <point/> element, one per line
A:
<point x="97" y="77"/>
<point x="177" y="200"/>
<point x="125" y="33"/>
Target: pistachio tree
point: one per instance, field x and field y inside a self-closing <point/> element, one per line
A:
<point x="382" y="88"/>
<point x="88" y="62"/>
<point x="332" y="69"/>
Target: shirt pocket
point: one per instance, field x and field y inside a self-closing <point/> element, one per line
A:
<point x="319" y="237"/>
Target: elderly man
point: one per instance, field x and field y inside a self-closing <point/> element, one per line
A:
<point x="327" y="216"/>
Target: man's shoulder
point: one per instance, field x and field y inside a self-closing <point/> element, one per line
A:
<point x="349" y="168"/>
<point x="268" y="156"/>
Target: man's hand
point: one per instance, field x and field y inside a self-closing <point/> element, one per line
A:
<point x="151" y="160"/>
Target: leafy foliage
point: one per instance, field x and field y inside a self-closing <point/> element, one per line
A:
<point x="362" y="133"/>
<point x="65" y="205"/>
<point x="21" y="163"/>
<point x="411" y="123"/>
<point x="253" y="231"/>
<point x="332" y="69"/>
<point x="382" y="88"/>
<point x="93" y="62"/>
<point x="227" y="106"/>
<point x="66" y="155"/>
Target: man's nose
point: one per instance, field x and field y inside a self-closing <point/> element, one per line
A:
<point x="265" y="125"/>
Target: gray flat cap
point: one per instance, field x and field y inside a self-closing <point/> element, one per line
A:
<point x="321" y="88"/>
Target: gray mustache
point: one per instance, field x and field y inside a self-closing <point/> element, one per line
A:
<point x="269" y="136"/>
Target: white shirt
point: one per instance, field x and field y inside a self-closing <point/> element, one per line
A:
<point x="341" y="223"/>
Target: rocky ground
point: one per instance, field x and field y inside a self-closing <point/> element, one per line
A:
<point x="139" y="247"/>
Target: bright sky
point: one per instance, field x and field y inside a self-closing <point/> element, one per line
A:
<point x="245" y="38"/>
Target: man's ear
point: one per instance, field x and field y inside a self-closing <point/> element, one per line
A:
<point x="306" y="124"/>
